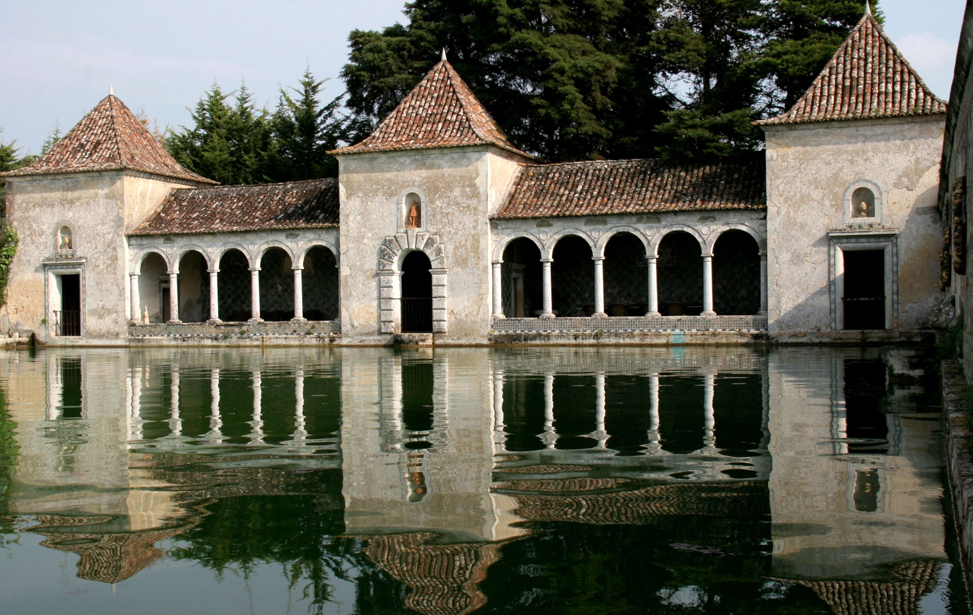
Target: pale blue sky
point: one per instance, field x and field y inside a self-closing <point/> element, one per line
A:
<point x="59" y="57"/>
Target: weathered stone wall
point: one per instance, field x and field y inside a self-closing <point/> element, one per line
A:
<point x="99" y="208"/>
<point x="810" y="168"/>
<point x="458" y="188"/>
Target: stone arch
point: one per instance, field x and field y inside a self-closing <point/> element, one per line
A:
<point x="625" y="274"/>
<point x="521" y="277"/>
<point x="501" y="245"/>
<point x="715" y="236"/>
<point x="276" y="264"/>
<point x="736" y="273"/>
<point x="192" y="265"/>
<point x="234" y="285"/>
<point x="269" y="244"/>
<point x="317" y="243"/>
<point x="548" y="251"/>
<point x="141" y="256"/>
<point x="221" y="252"/>
<point x="391" y="255"/>
<point x="680" y="254"/>
<point x="320" y="287"/>
<point x="573" y="275"/>
<point x="655" y="240"/>
<point x="615" y="230"/>
<point x="183" y="250"/>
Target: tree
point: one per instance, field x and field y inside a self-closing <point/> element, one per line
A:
<point x="802" y="36"/>
<point x="562" y="77"/>
<point x="709" y="46"/>
<point x="304" y="131"/>
<point x="205" y="148"/>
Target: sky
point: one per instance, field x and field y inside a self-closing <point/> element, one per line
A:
<point x="59" y="58"/>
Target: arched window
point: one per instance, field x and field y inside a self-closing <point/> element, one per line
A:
<point x="862" y="203"/>
<point x="413" y="211"/>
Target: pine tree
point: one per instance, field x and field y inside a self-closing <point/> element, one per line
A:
<point x="802" y="37"/>
<point x="304" y="131"/>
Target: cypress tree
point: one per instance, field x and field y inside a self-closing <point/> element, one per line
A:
<point x="304" y="130"/>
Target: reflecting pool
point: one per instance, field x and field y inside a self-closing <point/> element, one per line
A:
<point x="557" y="480"/>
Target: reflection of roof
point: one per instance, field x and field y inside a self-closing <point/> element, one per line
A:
<point x="303" y="204"/>
<point x="900" y="597"/>
<point x="444" y="579"/>
<point x="565" y="485"/>
<point x="108" y="558"/>
<point x="109" y="138"/>
<point x="603" y="187"/>
<point x="743" y="498"/>
<point x="440" y="111"/>
<point x="553" y="468"/>
<point x="867" y="78"/>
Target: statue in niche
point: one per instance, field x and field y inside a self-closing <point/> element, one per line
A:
<point x="959" y="226"/>
<point x="64" y="240"/>
<point x="415" y="213"/>
<point x="863" y="203"/>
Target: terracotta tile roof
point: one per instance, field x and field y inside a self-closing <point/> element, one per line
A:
<point x="440" y="111"/>
<point x="867" y="78"/>
<point x="444" y="579"/>
<point x="629" y="187"/>
<point x="109" y="138"/>
<point x="900" y="596"/>
<point x="304" y="204"/>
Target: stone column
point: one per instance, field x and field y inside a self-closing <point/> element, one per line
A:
<point x="498" y="289"/>
<point x="709" y="412"/>
<point x="708" y="285"/>
<point x="763" y="283"/>
<point x="257" y="424"/>
<point x="499" y="437"/>
<point x="653" y="286"/>
<point x="655" y="440"/>
<point x="599" y="287"/>
<point x="548" y="311"/>
<point x="255" y="294"/>
<point x="175" y="420"/>
<point x="298" y="294"/>
<point x="600" y="435"/>
<point x="300" y="428"/>
<point x="174" y="297"/>
<point x="135" y="301"/>
<point x="214" y="295"/>
<point x="549" y="437"/>
<point x="215" y="420"/>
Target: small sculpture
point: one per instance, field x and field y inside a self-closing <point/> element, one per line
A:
<point x="413" y="215"/>
<point x="145" y="314"/>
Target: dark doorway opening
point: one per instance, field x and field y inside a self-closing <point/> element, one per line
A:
<point x="866" y="393"/>
<point x="864" y="299"/>
<point x="71" y="393"/>
<point x="68" y="318"/>
<point x="416" y="294"/>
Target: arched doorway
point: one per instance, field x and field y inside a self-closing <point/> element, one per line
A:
<point x="680" y="275"/>
<point x="736" y="274"/>
<point x="573" y="278"/>
<point x="522" y="295"/>
<point x="276" y="286"/>
<point x="234" y="287"/>
<point x="416" y="293"/>
<point x="153" y="289"/>
<point x="193" y="288"/>
<point x="320" y="284"/>
<point x="626" y="276"/>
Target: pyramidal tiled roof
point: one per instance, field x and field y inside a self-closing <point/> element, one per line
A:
<point x="441" y="111"/>
<point x="109" y="138"/>
<point x="867" y="78"/>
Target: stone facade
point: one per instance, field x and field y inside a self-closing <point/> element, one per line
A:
<point x="812" y="172"/>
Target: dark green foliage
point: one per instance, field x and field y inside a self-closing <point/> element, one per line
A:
<point x="8" y="247"/>
<point x="234" y="142"/>
<point x="802" y="36"/>
<point x="9" y="160"/>
<point x="304" y="131"/>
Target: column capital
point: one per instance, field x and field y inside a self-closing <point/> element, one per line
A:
<point x="134" y="275"/>
<point x="298" y="268"/>
<point x="497" y="263"/>
<point x="212" y="271"/>
<point x="707" y="256"/>
<point x="254" y="269"/>
<point x="547" y="261"/>
<point x="651" y="258"/>
<point x="173" y="272"/>
<point x="598" y="259"/>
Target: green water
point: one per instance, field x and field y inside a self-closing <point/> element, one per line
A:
<point x="556" y="480"/>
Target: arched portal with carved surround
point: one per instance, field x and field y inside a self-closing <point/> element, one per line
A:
<point x="392" y="254"/>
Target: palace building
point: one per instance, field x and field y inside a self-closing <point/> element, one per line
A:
<point x="440" y="229"/>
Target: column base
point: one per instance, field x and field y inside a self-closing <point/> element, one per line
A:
<point x="301" y="320"/>
<point x="214" y="321"/>
<point x="708" y="313"/>
<point x="599" y="315"/>
<point x="498" y="316"/>
<point x="547" y="316"/>
<point x="173" y="322"/>
<point x="255" y="321"/>
<point x="653" y="315"/>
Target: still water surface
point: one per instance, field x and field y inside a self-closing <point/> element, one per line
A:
<point x="625" y="480"/>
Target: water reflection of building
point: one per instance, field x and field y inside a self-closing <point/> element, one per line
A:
<point x="443" y="457"/>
